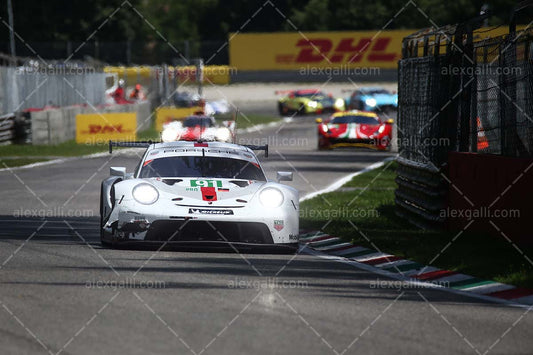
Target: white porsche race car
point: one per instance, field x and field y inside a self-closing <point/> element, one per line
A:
<point x="198" y="193"/>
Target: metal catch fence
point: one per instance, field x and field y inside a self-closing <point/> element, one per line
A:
<point x="465" y="89"/>
<point x="24" y="87"/>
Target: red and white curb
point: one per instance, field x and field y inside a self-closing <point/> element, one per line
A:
<point x="334" y="248"/>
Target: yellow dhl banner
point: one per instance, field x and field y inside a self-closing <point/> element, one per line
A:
<point x="288" y="51"/>
<point x="166" y="114"/>
<point x="354" y="49"/>
<point x="130" y="72"/>
<point x="213" y="74"/>
<point x="481" y="54"/>
<point x="96" y="128"/>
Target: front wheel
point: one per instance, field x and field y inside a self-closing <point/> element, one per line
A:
<point x="282" y="109"/>
<point x="103" y="241"/>
<point x="322" y="143"/>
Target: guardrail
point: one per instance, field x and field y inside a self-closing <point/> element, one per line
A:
<point x="7" y="128"/>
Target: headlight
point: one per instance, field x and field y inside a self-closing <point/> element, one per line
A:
<point x="271" y="197"/>
<point x="312" y="104"/>
<point x="223" y="135"/>
<point x="381" y="128"/>
<point x="370" y="102"/>
<point x="339" y="102"/>
<point x="145" y="194"/>
<point x="169" y="135"/>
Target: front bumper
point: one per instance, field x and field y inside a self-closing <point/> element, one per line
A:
<point x="127" y="225"/>
<point x="209" y="231"/>
<point x="371" y="143"/>
<point x="196" y="235"/>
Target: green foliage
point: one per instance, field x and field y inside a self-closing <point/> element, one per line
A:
<point x="65" y="20"/>
<point x="162" y="31"/>
<point x="364" y="213"/>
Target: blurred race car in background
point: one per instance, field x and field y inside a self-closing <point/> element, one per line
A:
<point x="354" y="129"/>
<point x="217" y="107"/>
<point x="211" y="107"/>
<point x="186" y="99"/>
<point x="307" y="101"/>
<point x="198" y="128"/>
<point x="372" y="99"/>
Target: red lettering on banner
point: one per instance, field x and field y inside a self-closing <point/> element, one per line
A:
<point x="314" y="50"/>
<point x="355" y="52"/>
<point x="380" y="46"/>
<point x="95" y="129"/>
<point x="317" y="50"/>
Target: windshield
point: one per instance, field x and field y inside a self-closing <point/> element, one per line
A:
<point x="355" y="119"/>
<point x="375" y="92"/>
<point x="198" y="121"/>
<point x="207" y="167"/>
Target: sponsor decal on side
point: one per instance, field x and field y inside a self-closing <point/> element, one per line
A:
<point x="211" y="212"/>
<point x="278" y="224"/>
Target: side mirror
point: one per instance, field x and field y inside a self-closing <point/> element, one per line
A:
<point x="117" y="171"/>
<point x="284" y="176"/>
<point x="318" y="120"/>
<point x="389" y="121"/>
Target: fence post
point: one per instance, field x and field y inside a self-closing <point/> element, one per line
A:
<point x="48" y="130"/>
<point x="472" y="89"/>
<point x="455" y="108"/>
<point x="200" y="76"/>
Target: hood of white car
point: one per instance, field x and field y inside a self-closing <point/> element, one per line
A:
<point x="206" y="192"/>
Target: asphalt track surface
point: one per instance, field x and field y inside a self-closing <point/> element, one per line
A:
<point x="61" y="292"/>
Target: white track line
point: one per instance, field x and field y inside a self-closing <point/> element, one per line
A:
<point x="63" y="160"/>
<point x="337" y="184"/>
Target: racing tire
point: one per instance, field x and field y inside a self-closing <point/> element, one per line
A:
<point x="104" y="242"/>
<point x="388" y="146"/>
<point x="283" y="111"/>
<point x="322" y="146"/>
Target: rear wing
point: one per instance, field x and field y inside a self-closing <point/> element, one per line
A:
<point x="146" y="144"/>
<point x="134" y="144"/>
<point x="258" y="147"/>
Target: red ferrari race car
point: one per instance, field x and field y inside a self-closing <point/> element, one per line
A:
<point x="198" y="127"/>
<point x="354" y="129"/>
